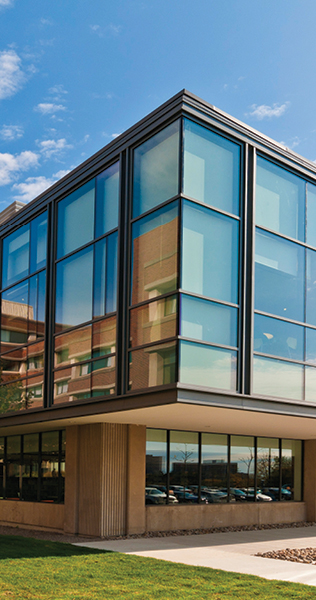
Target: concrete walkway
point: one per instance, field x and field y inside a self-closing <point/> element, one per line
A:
<point x="227" y="551"/>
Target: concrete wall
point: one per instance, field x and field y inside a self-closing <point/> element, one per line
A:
<point x="310" y="479"/>
<point x="170" y="518"/>
<point x="37" y="515"/>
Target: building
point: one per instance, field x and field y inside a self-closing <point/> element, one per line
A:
<point x="160" y="301"/>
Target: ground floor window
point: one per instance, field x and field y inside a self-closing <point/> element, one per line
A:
<point x="191" y="467"/>
<point x="32" y="467"/>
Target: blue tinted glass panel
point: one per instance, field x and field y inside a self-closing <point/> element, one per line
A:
<point x="111" y="273"/>
<point x="15" y="263"/>
<point x="208" y="321"/>
<point x="156" y="169"/>
<point x="209" y="253"/>
<point x="279" y="276"/>
<point x="76" y="219"/>
<point x="311" y="287"/>
<point x="280" y="200"/>
<point x="211" y="168"/>
<point x="277" y="378"/>
<point x="14" y="315"/>
<point x="207" y="366"/>
<point x="311" y="215"/>
<point x="310" y="346"/>
<point x="74" y="290"/>
<point x="99" y="278"/>
<point x="310" y="384"/>
<point x="38" y="243"/>
<point x="279" y="338"/>
<point x="155" y="254"/>
<point x="107" y="200"/>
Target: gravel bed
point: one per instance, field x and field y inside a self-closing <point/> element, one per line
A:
<point x="300" y="555"/>
<point x="73" y="539"/>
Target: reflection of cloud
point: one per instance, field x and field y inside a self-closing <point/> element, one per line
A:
<point x="53" y="147"/>
<point x="11" y="165"/>
<point x="264" y="111"/>
<point x="11" y="132"/>
<point x="49" y="108"/>
<point x="33" y="186"/>
<point x="11" y="74"/>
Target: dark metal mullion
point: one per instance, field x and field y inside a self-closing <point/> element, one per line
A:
<point x="200" y="468"/>
<point x="255" y="469"/>
<point x="281" y="318"/>
<point x="208" y="298"/>
<point x="250" y="266"/>
<point x="285" y="237"/>
<point x="211" y="344"/>
<point x="150" y="344"/>
<point x="179" y="244"/>
<point x="21" y="467"/>
<point x="282" y="358"/>
<point x="211" y="207"/>
<point x="49" y="309"/>
<point x="305" y="291"/>
<point x="39" y="481"/>
<point x="155" y="208"/>
<point x="5" y="469"/>
<point x="85" y="324"/>
<point x="280" y="469"/>
<point x="228" y="466"/>
<point x="59" y="466"/>
<point x="122" y="271"/>
<point x="155" y="299"/>
<point x="85" y="246"/>
<point x="19" y="281"/>
<point x="82" y="362"/>
<point x="243" y="279"/>
<point x="168" y="465"/>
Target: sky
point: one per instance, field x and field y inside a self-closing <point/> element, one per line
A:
<point x="76" y="73"/>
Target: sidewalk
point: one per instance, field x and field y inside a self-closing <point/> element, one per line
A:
<point x="227" y="551"/>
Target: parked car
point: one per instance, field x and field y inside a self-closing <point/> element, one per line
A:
<point x="154" y="496"/>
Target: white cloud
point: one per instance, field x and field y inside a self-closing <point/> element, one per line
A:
<point x="114" y="135"/>
<point x="6" y="3"/>
<point x="46" y="21"/>
<point x="49" y="108"/>
<point x="33" y="186"/>
<point x="11" y="74"/>
<point x="57" y="89"/>
<point x="109" y="29"/>
<point x="11" y="132"/>
<point x="11" y="165"/>
<point x="264" y="111"/>
<point x="53" y="147"/>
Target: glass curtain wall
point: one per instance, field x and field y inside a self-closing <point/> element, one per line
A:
<point x="284" y="346"/>
<point x="86" y="290"/>
<point x="32" y="467"/>
<point x="210" y="259"/>
<point x="154" y="261"/>
<point x="211" y="468"/>
<point x="23" y="316"/>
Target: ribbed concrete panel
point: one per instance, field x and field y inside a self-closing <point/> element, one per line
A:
<point x="113" y="521"/>
<point x="90" y="479"/>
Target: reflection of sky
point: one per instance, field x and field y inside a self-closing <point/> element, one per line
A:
<point x="242" y="456"/>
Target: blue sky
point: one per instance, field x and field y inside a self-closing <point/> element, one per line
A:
<point x="74" y="74"/>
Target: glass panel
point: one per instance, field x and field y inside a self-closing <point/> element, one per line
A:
<point x="279" y="338"/>
<point x="38" y="243"/>
<point x="268" y="468"/>
<point x="15" y="261"/>
<point x="104" y="337"/>
<point x="207" y="235"/>
<point x="311" y="287"/>
<point x="35" y="358"/>
<point x="280" y="200"/>
<point x="72" y="384"/>
<point x="12" y="396"/>
<point x="13" y="365"/>
<point x="207" y="366"/>
<point x="156" y="169"/>
<point x="107" y="200"/>
<point x="156" y="466"/>
<point x="310" y="384"/>
<point x="99" y="278"/>
<point x="74" y="290"/>
<point x="154" y="321"/>
<point x="35" y="391"/>
<point x="103" y="376"/>
<point x="73" y="347"/>
<point x="14" y="316"/>
<point x="311" y="215"/>
<point x="155" y="254"/>
<point x="1" y="467"/>
<point x="111" y="273"/>
<point x="277" y="378"/>
<point x="76" y="219"/>
<point x="13" y="472"/>
<point x="49" y="466"/>
<point x="310" y="353"/>
<point x="151" y="366"/>
<point x="184" y="466"/>
<point x="36" y="312"/>
<point x="30" y="467"/>
<point x="211" y="168"/>
<point x="242" y="468"/>
<point x="279" y="276"/>
<point x="208" y="321"/>
<point x="214" y="468"/>
<point x="292" y="469"/>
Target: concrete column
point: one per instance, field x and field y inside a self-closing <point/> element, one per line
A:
<point x="136" y="479"/>
<point x="310" y="479"/>
<point x="71" y="480"/>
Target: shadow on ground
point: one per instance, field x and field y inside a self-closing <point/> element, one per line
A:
<point x="12" y="547"/>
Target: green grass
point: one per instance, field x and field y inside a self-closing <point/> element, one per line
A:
<point x="40" y="570"/>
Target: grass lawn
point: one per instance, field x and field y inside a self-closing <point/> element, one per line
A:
<point x="38" y="570"/>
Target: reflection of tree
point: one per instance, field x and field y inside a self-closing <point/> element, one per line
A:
<point x="238" y="479"/>
<point x="268" y="469"/>
<point x="183" y="457"/>
<point x="13" y="396"/>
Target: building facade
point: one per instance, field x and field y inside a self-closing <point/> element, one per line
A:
<point x="158" y="334"/>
